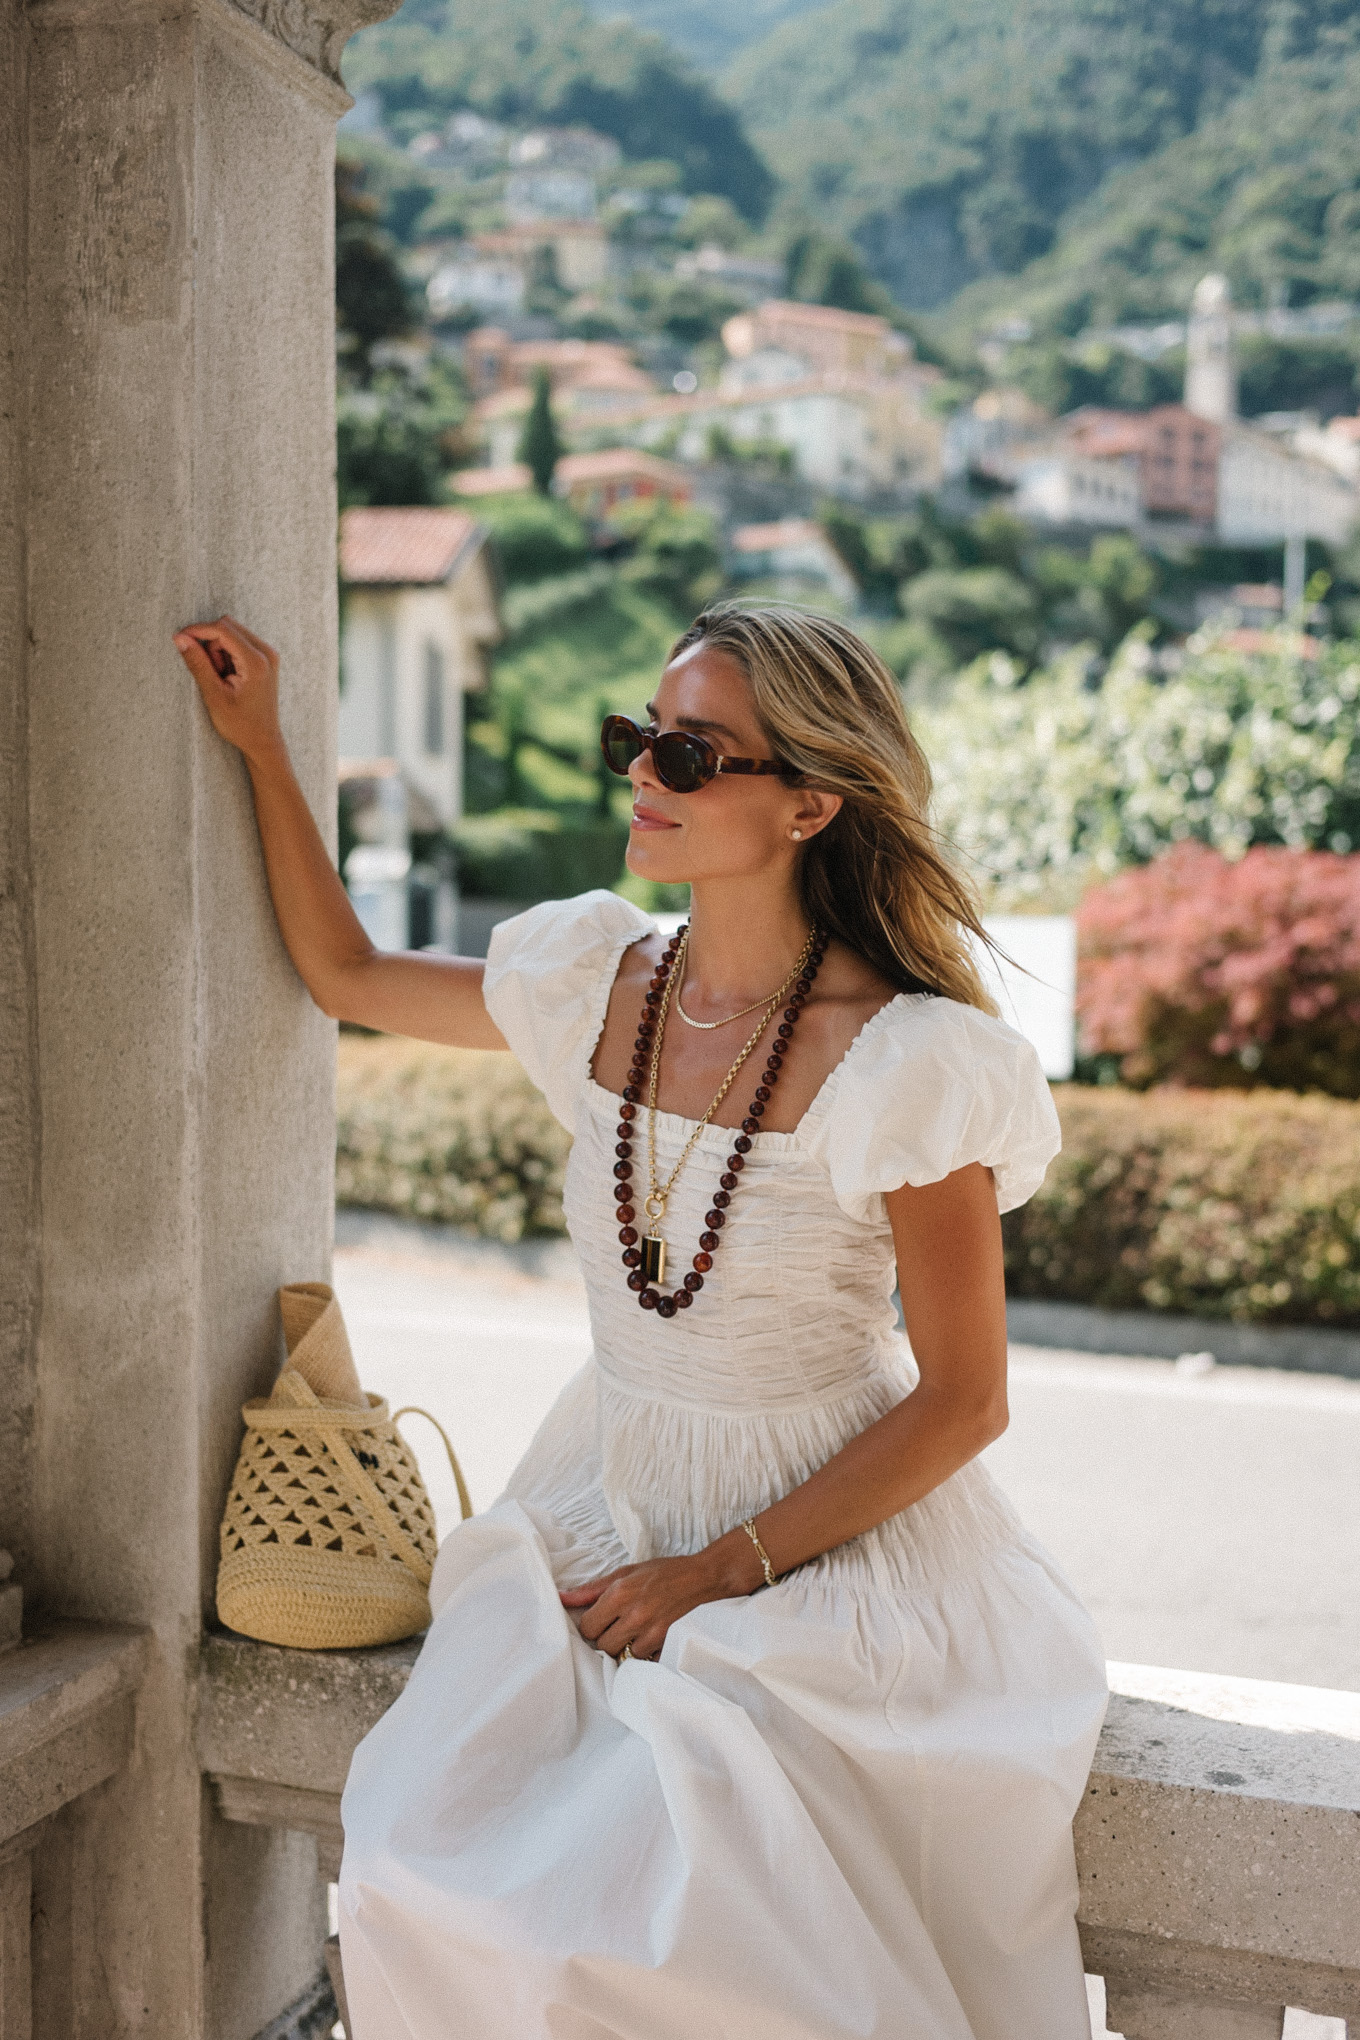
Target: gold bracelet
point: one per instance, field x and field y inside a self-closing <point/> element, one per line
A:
<point x="749" y="1526"/>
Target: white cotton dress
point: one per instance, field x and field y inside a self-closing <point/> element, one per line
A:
<point x="839" y="1807"/>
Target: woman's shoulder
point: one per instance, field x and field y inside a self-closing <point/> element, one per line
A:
<point x="548" y="977"/>
<point x="929" y="1086"/>
<point x="565" y="935"/>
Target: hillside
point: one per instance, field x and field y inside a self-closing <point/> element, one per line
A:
<point x="951" y="137"/>
<point x="709" y="32"/>
<point x="1267" y="191"/>
<point x="550" y="60"/>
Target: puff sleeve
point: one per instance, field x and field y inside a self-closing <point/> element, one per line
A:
<point x="549" y="973"/>
<point x="928" y="1087"/>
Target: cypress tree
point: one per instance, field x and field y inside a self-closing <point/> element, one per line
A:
<point x="539" y="446"/>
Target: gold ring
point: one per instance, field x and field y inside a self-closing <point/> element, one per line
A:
<point x="626" y="1652"/>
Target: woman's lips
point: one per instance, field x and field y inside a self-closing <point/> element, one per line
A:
<point x="648" y="818"/>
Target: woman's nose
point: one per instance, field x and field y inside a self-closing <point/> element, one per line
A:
<point x="642" y="772"/>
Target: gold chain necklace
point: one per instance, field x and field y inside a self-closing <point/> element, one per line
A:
<point x="658" y="1194"/>
<point x="708" y="1026"/>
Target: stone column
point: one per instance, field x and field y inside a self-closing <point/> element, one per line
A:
<point x="166" y="1108"/>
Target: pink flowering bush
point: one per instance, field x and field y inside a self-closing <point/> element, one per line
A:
<point x="1196" y="970"/>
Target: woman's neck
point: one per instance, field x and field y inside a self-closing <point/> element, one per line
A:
<point x="743" y="942"/>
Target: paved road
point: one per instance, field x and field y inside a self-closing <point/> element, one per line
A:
<point x="1210" y="1522"/>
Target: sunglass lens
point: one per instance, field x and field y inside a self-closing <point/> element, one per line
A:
<point x="621" y="742"/>
<point x="681" y="763"/>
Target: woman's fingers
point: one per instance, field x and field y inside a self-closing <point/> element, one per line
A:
<point x="237" y="676"/>
<point x="583" y="1596"/>
<point x="257" y="643"/>
<point x="198" y="658"/>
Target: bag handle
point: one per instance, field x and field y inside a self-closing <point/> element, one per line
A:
<point x="414" y="1410"/>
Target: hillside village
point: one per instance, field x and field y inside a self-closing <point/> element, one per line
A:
<point x="822" y="400"/>
<point x="620" y="391"/>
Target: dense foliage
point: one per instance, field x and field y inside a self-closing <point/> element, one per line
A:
<point x="1195" y="970"/>
<point x="1049" y="784"/>
<point x="710" y="32"/>
<point x="1224" y="1204"/>
<point x="950" y="136"/>
<point x="1266" y="190"/>
<point x="550" y="60"/>
<point x="966" y="586"/>
<point x="444" y="1133"/>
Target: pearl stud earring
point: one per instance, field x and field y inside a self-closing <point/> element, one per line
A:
<point x="797" y="835"/>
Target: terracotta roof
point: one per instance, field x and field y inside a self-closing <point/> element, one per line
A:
<point x="493" y="481"/>
<point x="792" y="311"/>
<point x="756" y="538"/>
<point x="615" y="463"/>
<point x="619" y="460"/>
<point x="405" y="548"/>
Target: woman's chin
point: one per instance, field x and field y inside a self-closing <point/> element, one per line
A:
<point x="647" y="858"/>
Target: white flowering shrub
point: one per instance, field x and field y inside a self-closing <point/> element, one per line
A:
<point x="1049" y="784"/>
<point x="457" y="1135"/>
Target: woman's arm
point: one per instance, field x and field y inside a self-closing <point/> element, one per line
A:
<point x="948" y="1240"/>
<point x="433" y="998"/>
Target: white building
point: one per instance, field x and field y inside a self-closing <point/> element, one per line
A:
<point x="1064" y="487"/>
<point x="419" y="610"/>
<point x="1267" y="493"/>
<point x="796" y="554"/>
<point x="490" y="284"/>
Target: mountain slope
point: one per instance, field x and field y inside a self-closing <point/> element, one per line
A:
<point x="1268" y="191"/>
<point x="949" y="137"/>
<point x="709" y="32"/>
<point x="525" y="60"/>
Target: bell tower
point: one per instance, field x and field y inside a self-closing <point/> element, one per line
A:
<point x="1210" y="364"/>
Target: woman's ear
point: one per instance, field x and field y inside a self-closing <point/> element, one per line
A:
<point x="815" y="810"/>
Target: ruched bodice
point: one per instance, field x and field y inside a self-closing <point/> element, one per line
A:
<point x="839" y="1809"/>
<point x="790" y="1349"/>
<point x="796" y="1309"/>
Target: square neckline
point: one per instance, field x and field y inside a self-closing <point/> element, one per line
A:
<point x="712" y="1135"/>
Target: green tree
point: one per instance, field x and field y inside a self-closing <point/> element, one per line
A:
<point x="540" y="447"/>
<point x="534" y="536"/>
<point x="675" y="551"/>
<point x="372" y="301"/>
<point x="823" y="269"/>
<point x="976" y="610"/>
<point x="398" y="436"/>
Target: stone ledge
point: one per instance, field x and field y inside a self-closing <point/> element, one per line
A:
<point x="1216" y="1845"/>
<point x="67" y="1697"/>
<point x="292" y="1717"/>
<point x="1217" y="1842"/>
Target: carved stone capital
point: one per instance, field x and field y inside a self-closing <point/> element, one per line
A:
<point x="316" y="30"/>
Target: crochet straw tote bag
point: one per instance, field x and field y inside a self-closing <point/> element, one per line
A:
<point x="328" y="1537"/>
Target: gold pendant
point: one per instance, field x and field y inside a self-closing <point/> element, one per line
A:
<point x="653" y="1258"/>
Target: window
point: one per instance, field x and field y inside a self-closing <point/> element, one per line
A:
<point x="434" y="700"/>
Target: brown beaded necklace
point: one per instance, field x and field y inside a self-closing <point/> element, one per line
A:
<point x="645" y="1259"/>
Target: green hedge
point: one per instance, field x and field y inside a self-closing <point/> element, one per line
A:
<point x="1223" y="1204"/>
<point x="446" y="1133"/>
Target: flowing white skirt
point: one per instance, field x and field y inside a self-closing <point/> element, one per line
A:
<point x="841" y="1807"/>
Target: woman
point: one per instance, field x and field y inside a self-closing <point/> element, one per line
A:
<point x="750" y="1711"/>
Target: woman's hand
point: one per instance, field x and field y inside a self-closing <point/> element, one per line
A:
<point x="238" y="677"/>
<point x="636" y="1605"/>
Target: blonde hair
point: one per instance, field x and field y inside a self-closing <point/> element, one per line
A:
<point x="833" y="714"/>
